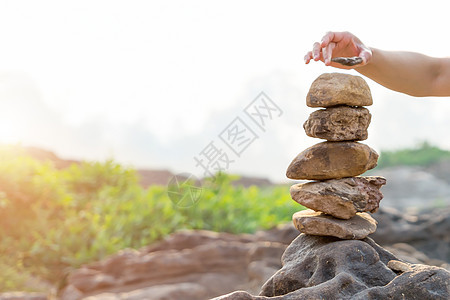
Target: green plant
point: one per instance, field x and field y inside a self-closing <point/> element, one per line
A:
<point x="424" y="154"/>
<point x="52" y="221"/>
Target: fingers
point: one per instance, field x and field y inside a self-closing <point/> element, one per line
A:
<point x="343" y="44"/>
<point x="319" y="53"/>
<point x="329" y="36"/>
<point x="328" y="53"/>
<point x="325" y="47"/>
<point x="308" y="57"/>
<point x="316" y="51"/>
<point x="334" y="37"/>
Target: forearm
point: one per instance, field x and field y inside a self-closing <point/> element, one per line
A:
<point x="407" y="72"/>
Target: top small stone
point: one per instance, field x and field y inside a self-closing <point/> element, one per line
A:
<point x="332" y="89"/>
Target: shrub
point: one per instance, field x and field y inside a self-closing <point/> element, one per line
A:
<point x="52" y="221"/>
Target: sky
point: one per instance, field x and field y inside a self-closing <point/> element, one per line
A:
<point x="152" y="83"/>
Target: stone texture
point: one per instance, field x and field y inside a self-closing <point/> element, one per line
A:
<point x="422" y="282"/>
<point x="332" y="160"/>
<point x="348" y="61"/>
<point x="23" y="296"/>
<point x="317" y="223"/>
<point x="399" y="266"/>
<point x="185" y="291"/>
<point x="340" y="123"/>
<point x="71" y="293"/>
<point x="186" y="265"/>
<point x="328" y="268"/>
<point x="332" y="89"/>
<point x="427" y="231"/>
<point x="248" y="271"/>
<point x="341" y="198"/>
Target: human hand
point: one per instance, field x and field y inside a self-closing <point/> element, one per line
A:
<point x="339" y="44"/>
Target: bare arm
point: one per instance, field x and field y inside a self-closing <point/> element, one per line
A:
<point x="407" y="72"/>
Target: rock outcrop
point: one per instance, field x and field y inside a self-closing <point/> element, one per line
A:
<point x="187" y="265"/>
<point x="23" y="296"/>
<point x="400" y="233"/>
<point x="329" y="268"/>
<point x="412" y="235"/>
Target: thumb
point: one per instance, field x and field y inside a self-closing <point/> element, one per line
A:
<point x="366" y="55"/>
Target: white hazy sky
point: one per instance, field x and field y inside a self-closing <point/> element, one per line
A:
<point x="151" y="83"/>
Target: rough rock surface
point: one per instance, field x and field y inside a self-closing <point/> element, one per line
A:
<point x="341" y="198"/>
<point x="22" y="296"/>
<point x="332" y="89"/>
<point x="427" y="232"/>
<point x="328" y="268"/>
<point x="185" y="291"/>
<point x="186" y="265"/>
<point x="332" y="160"/>
<point x="318" y="223"/>
<point x="340" y="123"/>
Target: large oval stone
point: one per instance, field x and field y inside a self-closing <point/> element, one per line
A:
<point x="332" y="89"/>
<point x="317" y="223"/>
<point x="341" y="198"/>
<point x="340" y="123"/>
<point x="332" y="160"/>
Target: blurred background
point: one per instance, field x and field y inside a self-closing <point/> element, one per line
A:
<point x="102" y="102"/>
<point x="151" y="83"/>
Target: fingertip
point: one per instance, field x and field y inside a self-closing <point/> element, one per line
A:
<point x="365" y="57"/>
<point x="307" y="57"/>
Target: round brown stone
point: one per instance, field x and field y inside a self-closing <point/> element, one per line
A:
<point x="332" y="160"/>
<point x="332" y="89"/>
<point x="317" y="223"/>
<point x="339" y="123"/>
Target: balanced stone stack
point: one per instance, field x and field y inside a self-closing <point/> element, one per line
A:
<point x="338" y="199"/>
<point x="333" y="258"/>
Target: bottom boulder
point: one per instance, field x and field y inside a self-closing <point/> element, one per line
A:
<point x="317" y="267"/>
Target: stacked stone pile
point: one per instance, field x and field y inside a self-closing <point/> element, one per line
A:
<point x="338" y="199"/>
<point x="333" y="258"/>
